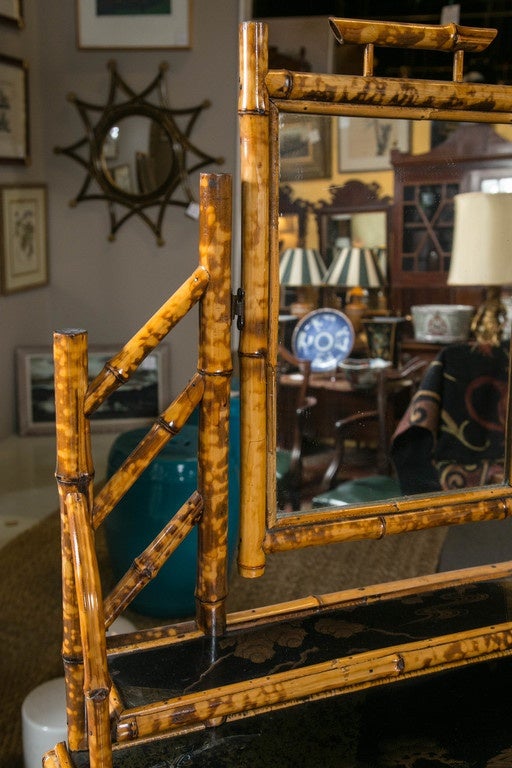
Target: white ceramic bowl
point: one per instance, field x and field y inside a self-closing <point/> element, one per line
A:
<point x="442" y="323"/>
<point x="362" y="373"/>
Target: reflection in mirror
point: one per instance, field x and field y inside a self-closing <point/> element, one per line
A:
<point x="347" y="435"/>
<point x="138" y="156"/>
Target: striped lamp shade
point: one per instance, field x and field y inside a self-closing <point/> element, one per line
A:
<point x="354" y="267"/>
<point x="301" y="266"/>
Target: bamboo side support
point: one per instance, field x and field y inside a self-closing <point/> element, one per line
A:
<point x="168" y="424"/>
<point x="147" y="565"/>
<point x="215" y="365"/>
<point x="74" y="473"/>
<point x="119" y="369"/>
<point x="92" y="623"/>
<point x="347" y="673"/>
<point x="254" y="115"/>
<point x="295" y="535"/>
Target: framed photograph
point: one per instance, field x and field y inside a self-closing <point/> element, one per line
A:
<point x="365" y="143"/>
<point x="11" y="11"/>
<point x="133" y="23"/>
<point x="304" y="147"/>
<point x="134" y="404"/>
<point x="14" y="129"/>
<point x="23" y="239"/>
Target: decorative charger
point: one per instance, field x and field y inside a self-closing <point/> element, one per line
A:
<point x="325" y="337"/>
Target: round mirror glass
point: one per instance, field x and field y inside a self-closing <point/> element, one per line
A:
<point x="137" y="155"/>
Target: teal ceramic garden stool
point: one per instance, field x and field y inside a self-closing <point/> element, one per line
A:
<point x="141" y="514"/>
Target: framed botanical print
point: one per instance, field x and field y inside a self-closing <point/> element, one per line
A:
<point x="14" y="124"/>
<point x="365" y="143"/>
<point x="11" y="11"/>
<point x="133" y="23"/>
<point x="23" y="244"/>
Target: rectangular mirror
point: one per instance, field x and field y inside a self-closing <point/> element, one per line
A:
<point x="333" y="215"/>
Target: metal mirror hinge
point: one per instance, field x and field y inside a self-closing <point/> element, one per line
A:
<point x="238" y="308"/>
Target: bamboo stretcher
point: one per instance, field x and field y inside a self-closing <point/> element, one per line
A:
<point x="107" y="717"/>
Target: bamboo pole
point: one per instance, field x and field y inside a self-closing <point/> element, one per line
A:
<point x="329" y="678"/>
<point x="74" y="473"/>
<point x="119" y="369"/>
<point x="92" y="626"/>
<point x="147" y="565"/>
<point x="388" y="97"/>
<point x="253" y="109"/>
<point x="215" y="366"/>
<point x="168" y="424"/>
<point x="296" y="533"/>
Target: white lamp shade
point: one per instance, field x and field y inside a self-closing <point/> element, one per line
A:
<point x="354" y="267"/>
<point x="482" y="239"/>
<point x="301" y="266"/>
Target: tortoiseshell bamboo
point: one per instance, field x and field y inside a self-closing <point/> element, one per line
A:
<point x="74" y="473"/>
<point x="168" y="424"/>
<point x="253" y="107"/>
<point x="119" y="369"/>
<point x="433" y="37"/>
<point x="147" y="565"/>
<point x="353" y="672"/>
<point x="92" y="628"/>
<point x="333" y="95"/>
<point x="215" y="365"/>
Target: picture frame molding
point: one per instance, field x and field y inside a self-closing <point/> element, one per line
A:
<point x="28" y="424"/>
<point x="19" y="152"/>
<point x="153" y="32"/>
<point x="34" y="273"/>
<point x="316" y="162"/>
<point x="349" y="161"/>
<point x="11" y="12"/>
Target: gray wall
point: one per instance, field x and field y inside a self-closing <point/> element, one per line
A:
<point x="110" y="288"/>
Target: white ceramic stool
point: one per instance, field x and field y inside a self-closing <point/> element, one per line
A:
<point x="43" y="712"/>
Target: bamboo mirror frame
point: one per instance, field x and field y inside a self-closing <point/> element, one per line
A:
<point x="263" y="95"/>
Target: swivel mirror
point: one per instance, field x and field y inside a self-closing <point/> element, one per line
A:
<point x="265" y="95"/>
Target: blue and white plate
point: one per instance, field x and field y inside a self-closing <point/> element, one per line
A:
<point x="325" y="337"/>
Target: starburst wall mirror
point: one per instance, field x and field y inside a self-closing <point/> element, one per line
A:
<point x="137" y="152"/>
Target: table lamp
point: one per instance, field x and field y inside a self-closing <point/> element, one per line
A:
<point x="356" y="268"/>
<point x="301" y="268"/>
<point x="482" y="255"/>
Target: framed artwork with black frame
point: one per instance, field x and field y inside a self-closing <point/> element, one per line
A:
<point x="14" y="113"/>
<point x="134" y="404"/>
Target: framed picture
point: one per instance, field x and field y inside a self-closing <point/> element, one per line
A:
<point x="23" y="244"/>
<point x="11" y="11"/>
<point x="304" y="147"/>
<point x="133" y="23"/>
<point x="134" y="404"/>
<point x="14" y="129"/>
<point x="365" y="143"/>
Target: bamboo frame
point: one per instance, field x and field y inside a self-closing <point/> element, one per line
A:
<point x="263" y="94"/>
<point x="97" y="720"/>
<point x="91" y="698"/>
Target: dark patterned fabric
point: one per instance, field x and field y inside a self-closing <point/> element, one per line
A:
<point x="452" y="434"/>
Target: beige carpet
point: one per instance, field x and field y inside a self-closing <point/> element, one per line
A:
<point x="30" y="600"/>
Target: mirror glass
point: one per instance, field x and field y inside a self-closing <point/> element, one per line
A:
<point x="375" y="344"/>
<point x="137" y="155"/>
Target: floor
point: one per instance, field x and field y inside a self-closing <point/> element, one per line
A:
<point x="28" y="491"/>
